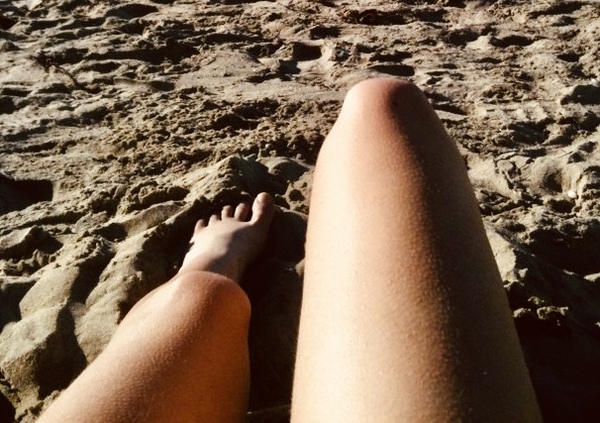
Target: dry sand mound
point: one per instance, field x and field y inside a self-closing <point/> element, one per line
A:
<point x="122" y="122"/>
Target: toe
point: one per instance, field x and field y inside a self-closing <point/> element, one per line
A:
<point x="263" y="209"/>
<point x="213" y="219"/>
<point x="227" y="212"/>
<point x="200" y="224"/>
<point x="242" y="211"/>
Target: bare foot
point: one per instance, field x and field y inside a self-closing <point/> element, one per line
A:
<point x="229" y="242"/>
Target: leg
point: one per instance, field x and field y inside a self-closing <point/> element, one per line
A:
<point x="181" y="354"/>
<point x="403" y="316"/>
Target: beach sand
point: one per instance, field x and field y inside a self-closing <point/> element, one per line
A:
<point x="123" y="122"/>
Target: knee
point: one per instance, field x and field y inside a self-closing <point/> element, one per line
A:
<point x="211" y="294"/>
<point x="373" y="112"/>
<point x="382" y="95"/>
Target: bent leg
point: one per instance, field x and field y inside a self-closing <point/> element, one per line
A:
<point x="181" y="354"/>
<point x="403" y="316"/>
<point x="179" y="357"/>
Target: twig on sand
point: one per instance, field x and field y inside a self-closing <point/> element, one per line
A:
<point x="48" y="62"/>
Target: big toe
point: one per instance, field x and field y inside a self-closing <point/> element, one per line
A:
<point x="263" y="209"/>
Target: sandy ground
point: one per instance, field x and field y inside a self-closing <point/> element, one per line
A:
<point x="122" y="122"/>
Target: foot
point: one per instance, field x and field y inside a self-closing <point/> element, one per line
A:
<point x="228" y="242"/>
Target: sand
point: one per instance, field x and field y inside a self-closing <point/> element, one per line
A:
<point x="122" y="122"/>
